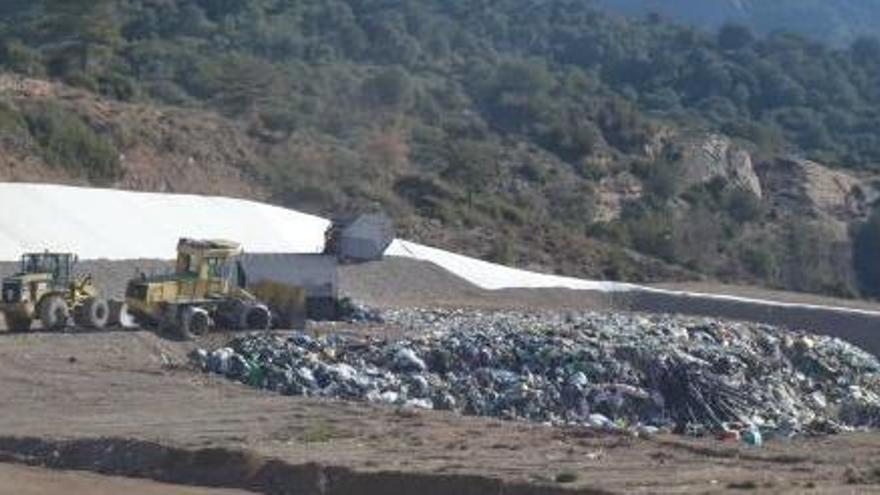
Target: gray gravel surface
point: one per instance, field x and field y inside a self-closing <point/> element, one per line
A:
<point x="403" y="282"/>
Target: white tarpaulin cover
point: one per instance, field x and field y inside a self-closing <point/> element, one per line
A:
<point x="112" y="224"/>
<point x="118" y="225"/>
<point x="491" y="276"/>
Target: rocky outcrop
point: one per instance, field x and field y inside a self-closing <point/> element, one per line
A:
<point x="701" y="158"/>
<point x="13" y="85"/>
<point x="712" y="156"/>
<point x="613" y="193"/>
<point x="803" y="187"/>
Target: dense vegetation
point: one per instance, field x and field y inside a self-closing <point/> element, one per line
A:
<point x="493" y="119"/>
<point x="838" y="22"/>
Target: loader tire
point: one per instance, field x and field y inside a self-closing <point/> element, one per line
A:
<point x="257" y="317"/>
<point x="194" y="322"/>
<point x="94" y="313"/>
<point x="119" y="315"/>
<point x="18" y="323"/>
<point x="54" y="313"/>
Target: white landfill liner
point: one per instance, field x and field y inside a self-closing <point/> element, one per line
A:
<point x="493" y="277"/>
<point x="117" y="225"/>
<point x="121" y="225"/>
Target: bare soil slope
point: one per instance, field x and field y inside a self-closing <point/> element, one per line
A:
<point x="163" y="149"/>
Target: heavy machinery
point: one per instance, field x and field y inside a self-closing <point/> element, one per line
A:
<point x="207" y="290"/>
<point x="45" y="289"/>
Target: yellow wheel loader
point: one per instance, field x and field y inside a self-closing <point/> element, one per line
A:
<point x="46" y="290"/>
<point x="206" y="291"/>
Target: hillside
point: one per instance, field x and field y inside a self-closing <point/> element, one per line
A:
<point x="545" y="135"/>
<point x="840" y="22"/>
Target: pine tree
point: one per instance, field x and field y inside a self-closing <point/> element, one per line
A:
<point x="90" y="25"/>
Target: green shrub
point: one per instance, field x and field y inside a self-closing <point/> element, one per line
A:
<point x="18" y="57"/>
<point x="391" y="88"/>
<point x="117" y="86"/>
<point x="66" y="141"/>
<point x="652" y="234"/>
<point x="742" y="205"/>
<point x="760" y="261"/>
<point x="82" y="80"/>
<point x="13" y="129"/>
<point x="427" y="194"/>
<point x="662" y="179"/>
<point x="574" y="206"/>
<point x="10" y="119"/>
<point x="502" y="252"/>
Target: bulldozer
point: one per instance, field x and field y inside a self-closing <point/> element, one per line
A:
<point x="206" y="291"/>
<point x="46" y="290"/>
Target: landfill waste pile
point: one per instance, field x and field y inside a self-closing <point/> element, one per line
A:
<point x="352" y="312"/>
<point x="635" y="372"/>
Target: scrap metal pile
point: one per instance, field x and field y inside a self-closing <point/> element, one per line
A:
<point x="611" y="371"/>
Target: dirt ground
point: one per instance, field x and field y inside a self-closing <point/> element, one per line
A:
<point x="124" y="387"/>
<point x="20" y="480"/>
<point x="129" y="404"/>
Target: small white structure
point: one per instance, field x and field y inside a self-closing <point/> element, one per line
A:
<point x="360" y="238"/>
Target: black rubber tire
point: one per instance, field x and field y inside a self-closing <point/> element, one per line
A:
<point x="120" y="316"/>
<point x="54" y="313"/>
<point x="94" y="313"/>
<point x="18" y="323"/>
<point x="194" y="322"/>
<point x="257" y="318"/>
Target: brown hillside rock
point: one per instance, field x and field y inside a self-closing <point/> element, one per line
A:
<point x="707" y="157"/>
<point x="613" y="193"/>
<point x="803" y="187"/>
<point x="17" y="86"/>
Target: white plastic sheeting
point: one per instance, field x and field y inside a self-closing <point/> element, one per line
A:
<point x="118" y="225"/>
<point x="492" y="276"/>
<point x="112" y="224"/>
<point x="495" y="277"/>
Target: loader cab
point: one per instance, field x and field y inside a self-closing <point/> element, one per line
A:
<point x="38" y="272"/>
<point x="58" y="266"/>
<point x="211" y="264"/>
